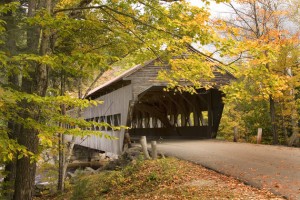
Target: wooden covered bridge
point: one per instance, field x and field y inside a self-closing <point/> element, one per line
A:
<point x="138" y="100"/>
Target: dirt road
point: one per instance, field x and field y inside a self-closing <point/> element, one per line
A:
<point x="273" y="167"/>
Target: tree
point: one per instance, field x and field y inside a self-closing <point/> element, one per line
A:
<point x="48" y="45"/>
<point x="269" y="52"/>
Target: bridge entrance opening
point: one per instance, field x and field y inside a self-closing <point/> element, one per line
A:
<point x="173" y="115"/>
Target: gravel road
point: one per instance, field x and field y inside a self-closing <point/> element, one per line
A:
<point x="276" y="168"/>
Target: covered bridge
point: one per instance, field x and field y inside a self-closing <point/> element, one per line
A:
<point x="138" y="100"/>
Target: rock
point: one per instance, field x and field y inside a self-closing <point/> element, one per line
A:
<point x="112" y="165"/>
<point x="70" y="175"/>
<point x="42" y="188"/>
<point x="96" y="156"/>
<point x="89" y="170"/>
<point x="129" y="155"/>
<point x="112" y="156"/>
<point x="43" y="185"/>
<point x="134" y="149"/>
<point x="92" y="164"/>
<point x="132" y="153"/>
<point x="78" y="172"/>
<point x="99" y="169"/>
<point x="73" y="176"/>
<point x="102" y="156"/>
<point x="161" y="155"/>
<point x="38" y="178"/>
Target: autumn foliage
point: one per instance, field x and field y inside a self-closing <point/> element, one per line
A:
<point x="266" y="41"/>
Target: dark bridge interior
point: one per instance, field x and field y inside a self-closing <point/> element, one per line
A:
<point x="173" y="115"/>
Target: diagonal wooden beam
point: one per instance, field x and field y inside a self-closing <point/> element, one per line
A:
<point x="155" y="112"/>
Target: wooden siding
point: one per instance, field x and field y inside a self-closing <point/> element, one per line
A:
<point x="145" y="78"/>
<point x="116" y="102"/>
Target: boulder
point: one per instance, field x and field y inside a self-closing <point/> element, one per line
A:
<point x="89" y="170"/>
<point x="132" y="153"/>
<point x="42" y="188"/>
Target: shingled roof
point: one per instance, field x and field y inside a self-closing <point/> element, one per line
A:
<point x="120" y="80"/>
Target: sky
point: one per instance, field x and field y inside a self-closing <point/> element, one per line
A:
<point x="216" y="9"/>
<point x="220" y="10"/>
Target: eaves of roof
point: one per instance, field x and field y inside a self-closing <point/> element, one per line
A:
<point x="120" y="77"/>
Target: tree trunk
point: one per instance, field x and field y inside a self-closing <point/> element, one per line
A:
<point x="61" y="163"/>
<point x="61" y="138"/>
<point x="25" y="172"/>
<point x="65" y="154"/>
<point x="10" y="168"/>
<point x="273" y="120"/>
<point x="64" y="161"/>
<point x="36" y="83"/>
<point x="13" y="81"/>
<point x="9" y="180"/>
<point x="68" y="157"/>
<point x="28" y="137"/>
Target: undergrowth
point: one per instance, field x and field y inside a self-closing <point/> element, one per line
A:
<point x="140" y="177"/>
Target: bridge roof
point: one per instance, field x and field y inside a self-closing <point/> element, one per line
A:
<point x="120" y="81"/>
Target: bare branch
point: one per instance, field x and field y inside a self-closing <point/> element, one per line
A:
<point x="240" y="57"/>
<point x="77" y="8"/>
<point x="244" y="13"/>
<point x="237" y="26"/>
<point x="257" y="32"/>
<point x="241" y="17"/>
<point x="138" y="37"/>
<point x="210" y="58"/>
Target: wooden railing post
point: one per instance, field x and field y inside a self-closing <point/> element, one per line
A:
<point x="143" y="142"/>
<point x="154" y="150"/>
<point x="259" y="134"/>
<point x="235" y="134"/>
